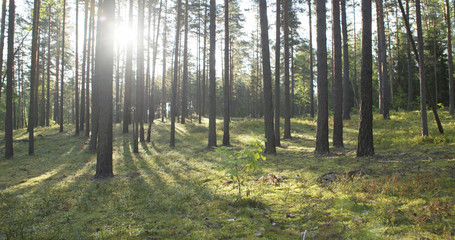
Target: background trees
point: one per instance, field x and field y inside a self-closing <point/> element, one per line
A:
<point x="48" y="63"/>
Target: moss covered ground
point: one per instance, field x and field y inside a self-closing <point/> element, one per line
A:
<point x="405" y="191"/>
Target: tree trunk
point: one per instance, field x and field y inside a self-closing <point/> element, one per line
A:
<point x="48" y="89"/>
<point x="42" y="102"/>
<point x="311" y="62"/>
<point x="337" y="78"/>
<point x="9" y="80"/>
<point x="76" y="86"/>
<point x="226" y="138"/>
<point x="163" y="77"/>
<point x="450" y="59"/>
<point x="383" y="69"/>
<point x="128" y="76"/>
<point x="84" y="62"/>
<point x="270" y="147"/>
<point x="185" y="67"/>
<point x="322" y="135"/>
<point x="140" y="71"/>
<point x="96" y="86"/>
<point x="155" y="52"/>
<point x="346" y="82"/>
<point x="63" y="68"/>
<point x="365" y="145"/>
<point x="204" y="63"/>
<point x="104" y="77"/>
<point x="57" y="75"/>
<point x="33" y="67"/>
<point x="176" y="67"/>
<point x="277" y="74"/>
<point x="423" y="100"/>
<point x="410" y="68"/>
<point x="89" y="65"/>
<point x="287" y="95"/>
<point x="2" y="42"/>
<point x="212" y="77"/>
<point x="417" y="56"/>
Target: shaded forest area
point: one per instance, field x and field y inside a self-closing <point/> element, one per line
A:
<point x="234" y="119"/>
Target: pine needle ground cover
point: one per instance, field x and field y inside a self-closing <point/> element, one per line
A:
<point x="405" y="191"/>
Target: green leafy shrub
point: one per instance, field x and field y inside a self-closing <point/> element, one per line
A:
<point x="238" y="164"/>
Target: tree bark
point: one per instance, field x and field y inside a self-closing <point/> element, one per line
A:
<point x="163" y="77"/>
<point x="155" y="52"/>
<point x="140" y="71"/>
<point x="212" y="77"/>
<point x="48" y="89"/>
<point x="450" y="59"/>
<point x="33" y="67"/>
<point x="383" y="69"/>
<point x="2" y="42"/>
<point x="311" y="62"/>
<point x="365" y="145"/>
<point x="104" y="66"/>
<point x="9" y="81"/>
<point x="322" y="135"/>
<point x="176" y="66"/>
<point x="410" y="67"/>
<point x="337" y="78"/>
<point x="76" y="86"/>
<point x="277" y="73"/>
<point x="63" y="68"/>
<point x="185" y="67"/>
<point x="270" y="147"/>
<point x="128" y="76"/>
<point x="346" y="82"/>
<point x="423" y="99"/>
<point x="226" y="89"/>
<point x="287" y="94"/>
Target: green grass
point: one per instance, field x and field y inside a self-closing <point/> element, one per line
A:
<point x="163" y="193"/>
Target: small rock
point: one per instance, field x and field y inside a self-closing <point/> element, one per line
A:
<point x="259" y="234"/>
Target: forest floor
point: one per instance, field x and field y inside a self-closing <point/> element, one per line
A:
<point x="405" y="191"/>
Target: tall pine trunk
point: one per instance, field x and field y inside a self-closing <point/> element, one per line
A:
<point x="33" y="68"/>
<point x="185" y="67"/>
<point x="104" y="66"/>
<point x="270" y="147"/>
<point x="322" y="134"/>
<point x="163" y="76"/>
<point x="226" y="88"/>
<point x="383" y="69"/>
<point x="410" y="67"/>
<point x="84" y="62"/>
<point x="450" y="59"/>
<point x="346" y="82"/>
<point x="48" y="89"/>
<point x="140" y="71"/>
<point x="2" y="41"/>
<point x="9" y="83"/>
<point x="76" y="86"/>
<point x="155" y="52"/>
<point x="423" y="99"/>
<point x="176" y="67"/>
<point x="337" y="78"/>
<point x="277" y="74"/>
<point x="128" y="76"/>
<point x="287" y="94"/>
<point x="63" y="68"/>
<point x="311" y="62"/>
<point x="212" y="77"/>
<point x="365" y="145"/>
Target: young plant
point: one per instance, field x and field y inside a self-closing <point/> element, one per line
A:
<point x="238" y="164"/>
